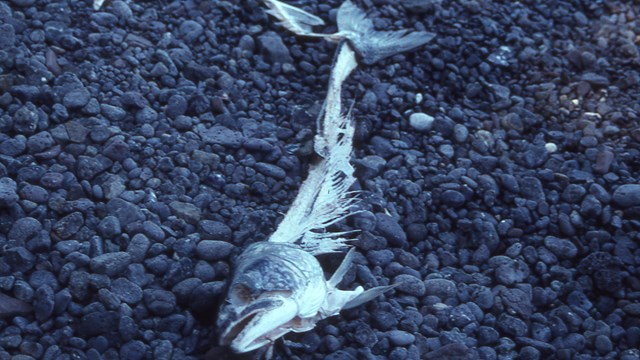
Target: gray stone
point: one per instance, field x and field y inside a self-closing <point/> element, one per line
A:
<point x="421" y="121"/>
<point x="391" y="230"/>
<point x="160" y="302"/>
<point x="441" y="288"/>
<point x="214" y="250"/>
<point x="400" y="338"/>
<point x="76" y="99"/>
<point x="562" y="248"/>
<point x="8" y="192"/>
<point x="627" y="195"/>
<point x="188" y="212"/>
<point x="273" y="48"/>
<point x="111" y="264"/>
<point x="410" y="284"/>
<point x="126" y="291"/>
<point x="68" y="225"/>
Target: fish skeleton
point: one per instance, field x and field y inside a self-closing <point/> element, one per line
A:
<point x="278" y="286"/>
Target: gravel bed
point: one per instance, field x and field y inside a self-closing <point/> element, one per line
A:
<point x="144" y="145"/>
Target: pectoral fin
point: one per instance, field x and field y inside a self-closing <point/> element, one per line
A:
<point x="367" y="296"/>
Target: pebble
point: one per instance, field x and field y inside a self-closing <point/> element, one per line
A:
<point x="410" y="284"/>
<point x="7" y="36"/>
<point x="111" y="264"/>
<point x="160" y="302"/>
<point x="76" y="99"/>
<point x="97" y="323"/>
<point x="603" y="344"/>
<point x="214" y="250"/>
<point x="24" y="229"/>
<point x="133" y="350"/>
<point x="400" y="338"/>
<point x="627" y="195"/>
<point x="273" y="48"/>
<point x="8" y="192"/>
<point x="190" y="30"/>
<point x="421" y="121"/>
<point x="185" y="211"/>
<point x="562" y="248"/>
<point x="126" y="291"/>
<point x="43" y="303"/>
<point x="271" y="170"/>
<point x="452" y="198"/>
<point x="389" y="228"/>
<point x="511" y="325"/>
<point x="442" y="288"/>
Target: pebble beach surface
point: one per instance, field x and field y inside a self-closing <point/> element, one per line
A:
<point x="143" y="145"/>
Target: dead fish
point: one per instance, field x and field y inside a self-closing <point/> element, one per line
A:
<point x="278" y="286"/>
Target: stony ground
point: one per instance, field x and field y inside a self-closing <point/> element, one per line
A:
<point x="142" y="146"/>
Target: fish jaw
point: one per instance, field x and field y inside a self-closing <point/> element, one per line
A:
<point x="261" y="325"/>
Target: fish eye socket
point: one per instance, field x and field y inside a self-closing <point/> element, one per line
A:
<point x="240" y="294"/>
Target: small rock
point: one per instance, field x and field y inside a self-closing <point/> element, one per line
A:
<point x="216" y="229"/>
<point x="441" y="288"/>
<point x="7" y="36"/>
<point x="188" y="212"/>
<point x="190" y="30"/>
<point x="8" y="192"/>
<point x="97" y="323"/>
<point x="24" y="229"/>
<point x="603" y="344"/>
<point x="68" y="225"/>
<point x="113" y="113"/>
<point x="221" y="135"/>
<point x="273" y="48"/>
<point x="116" y="150"/>
<point x="160" y="302"/>
<point x="25" y="120"/>
<point x="460" y="133"/>
<point x="176" y="106"/>
<point x="109" y="227"/>
<point x="391" y="230"/>
<point x="76" y="99"/>
<point x="452" y="198"/>
<point x="421" y="121"/>
<point x="512" y="325"/>
<point x="271" y="170"/>
<point x="126" y="291"/>
<point x="40" y="142"/>
<point x="627" y="195"/>
<point x="133" y="350"/>
<point x="43" y="303"/>
<point x="410" y="284"/>
<point x="400" y="338"/>
<point x="214" y="250"/>
<point x="562" y="248"/>
<point x="111" y="264"/>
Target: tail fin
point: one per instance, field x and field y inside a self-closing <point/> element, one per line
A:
<point x="375" y="45"/>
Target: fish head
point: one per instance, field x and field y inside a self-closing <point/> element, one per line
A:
<point x="270" y="282"/>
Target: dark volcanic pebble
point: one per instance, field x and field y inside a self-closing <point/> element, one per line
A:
<point x="627" y="195"/>
<point x="111" y="263"/>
